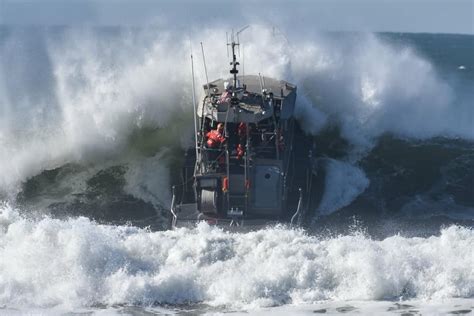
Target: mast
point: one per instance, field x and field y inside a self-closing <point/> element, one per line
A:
<point x="195" y="107"/>
<point x="234" y="63"/>
<point x="234" y="71"/>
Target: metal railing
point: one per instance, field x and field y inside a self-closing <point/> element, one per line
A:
<point x="206" y="162"/>
<point x="298" y="216"/>
<point x="174" y="215"/>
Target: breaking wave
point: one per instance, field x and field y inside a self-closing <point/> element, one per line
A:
<point x="77" y="263"/>
<point x="106" y="103"/>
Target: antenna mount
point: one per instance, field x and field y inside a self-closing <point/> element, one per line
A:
<point x="234" y="63"/>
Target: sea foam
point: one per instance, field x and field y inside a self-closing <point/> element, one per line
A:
<point x="78" y="95"/>
<point x="78" y="263"/>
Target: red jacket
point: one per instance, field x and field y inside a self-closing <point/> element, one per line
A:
<point x="214" y="138"/>
<point x="242" y="130"/>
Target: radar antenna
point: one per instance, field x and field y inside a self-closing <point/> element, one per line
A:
<point x="234" y="63"/>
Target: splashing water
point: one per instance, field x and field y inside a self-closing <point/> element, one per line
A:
<point x="81" y="95"/>
<point x="78" y="263"/>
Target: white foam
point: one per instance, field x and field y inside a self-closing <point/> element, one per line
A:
<point x="77" y="263"/>
<point x="94" y="93"/>
<point x="91" y="90"/>
<point x="372" y="87"/>
<point x="389" y="308"/>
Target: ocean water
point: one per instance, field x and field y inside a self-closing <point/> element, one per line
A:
<point x="76" y="264"/>
<point x="94" y="122"/>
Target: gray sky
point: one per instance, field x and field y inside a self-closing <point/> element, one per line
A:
<point x="446" y="16"/>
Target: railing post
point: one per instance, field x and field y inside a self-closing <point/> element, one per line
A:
<point x="297" y="215"/>
<point x="173" y="210"/>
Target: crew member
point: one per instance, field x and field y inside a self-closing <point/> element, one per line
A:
<point x="240" y="151"/>
<point x="226" y="95"/>
<point x="242" y="134"/>
<point x="242" y="131"/>
<point x="215" y="138"/>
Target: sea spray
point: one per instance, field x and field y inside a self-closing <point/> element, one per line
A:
<point x="78" y="263"/>
<point x="344" y="182"/>
<point x="78" y="95"/>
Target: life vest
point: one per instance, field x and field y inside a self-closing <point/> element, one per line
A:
<point x="225" y="184"/>
<point x="214" y="139"/>
<point x="242" y="130"/>
<point x="240" y="151"/>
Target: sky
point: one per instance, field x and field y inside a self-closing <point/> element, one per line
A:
<point x="432" y="16"/>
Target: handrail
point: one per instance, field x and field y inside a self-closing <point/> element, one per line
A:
<point x="207" y="162"/>
<point x="298" y="210"/>
<point x="173" y="212"/>
<point x="226" y="151"/>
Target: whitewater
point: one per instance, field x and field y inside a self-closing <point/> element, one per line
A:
<point x="80" y="95"/>
<point x="94" y="123"/>
<point x="74" y="263"/>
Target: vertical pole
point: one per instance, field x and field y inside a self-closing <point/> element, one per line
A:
<point x="234" y="62"/>
<point x="205" y="70"/>
<point x="243" y="65"/>
<point x="227" y="43"/>
<point x="173" y="209"/>
<point x="227" y="161"/>
<point x="247" y="151"/>
<point x="207" y="81"/>
<point x="261" y="84"/>
<point x="195" y="109"/>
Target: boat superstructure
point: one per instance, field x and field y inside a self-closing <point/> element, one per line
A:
<point x="259" y="169"/>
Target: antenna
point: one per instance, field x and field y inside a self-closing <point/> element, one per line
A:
<point x="227" y="41"/>
<point x="234" y="61"/>
<point x="237" y="34"/>
<point x="261" y="88"/>
<point x="194" y="105"/>
<point x="238" y="42"/>
<point x="243" y="29"/>
<point x="243" y="65"/>
<point x="234" y="64"/>
<point x="205" y="70"/>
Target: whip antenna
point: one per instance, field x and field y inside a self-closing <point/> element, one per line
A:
<point x="243" y="65"/>
<point x="227" y="41"/>
<point x="205" y="70"/>
<point x="194" y="105"/>
<point x="243" y="29"/>
<point x="237" y="35"/>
